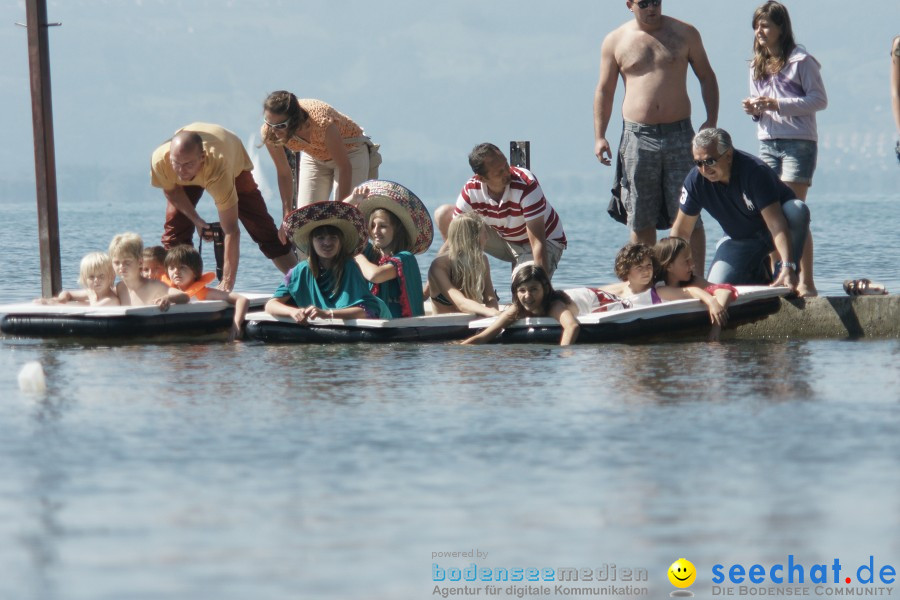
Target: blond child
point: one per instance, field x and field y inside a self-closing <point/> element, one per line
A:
<point x="459" y="279"/>
<point x="184" y="267"/>
<point x="96" y="277"/>
<point x="154" y="266"/>
<point x="133" y="289"/>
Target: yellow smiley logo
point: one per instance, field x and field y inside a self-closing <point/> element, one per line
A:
<point x="682" y="573"/>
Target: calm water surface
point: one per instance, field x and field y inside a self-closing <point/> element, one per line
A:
<point x="264" y="471"/>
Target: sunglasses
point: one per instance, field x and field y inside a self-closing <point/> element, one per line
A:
<point x="707" y="162"/>
<point x="645" y="3"/>
<point x="282" y="125"/>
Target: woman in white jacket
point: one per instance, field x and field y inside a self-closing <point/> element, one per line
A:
<point x="786" y="91"/>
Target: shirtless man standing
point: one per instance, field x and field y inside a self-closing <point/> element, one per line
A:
<point x="652" y="54"/>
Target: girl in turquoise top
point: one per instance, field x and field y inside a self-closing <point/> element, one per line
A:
<point x="390" y="267"/>
<point x="328" y="285"/>
<point x="399" y="227"/>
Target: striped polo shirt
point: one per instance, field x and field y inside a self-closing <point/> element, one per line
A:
<point x="522" y="201"/>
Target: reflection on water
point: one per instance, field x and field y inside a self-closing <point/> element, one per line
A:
<point x="259" y="470"/>
<point x="45" y="478"/>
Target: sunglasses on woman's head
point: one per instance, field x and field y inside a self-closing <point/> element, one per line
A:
<point x="282" y="125"/>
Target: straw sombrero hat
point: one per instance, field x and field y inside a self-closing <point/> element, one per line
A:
<point x="345" y="217"/>
<point x="405" y="205"/>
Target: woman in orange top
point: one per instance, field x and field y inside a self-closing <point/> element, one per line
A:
<point x="335" y="149"/>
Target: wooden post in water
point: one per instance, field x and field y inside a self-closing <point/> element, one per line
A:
<point x="520" y="154"/>
<point x="44" y="153"/>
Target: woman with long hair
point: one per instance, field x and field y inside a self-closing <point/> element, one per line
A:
<point x="460" y="279"/>
<point x="786" y="91"/>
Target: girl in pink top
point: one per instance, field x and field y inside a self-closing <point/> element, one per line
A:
<point x="675" y="269"/>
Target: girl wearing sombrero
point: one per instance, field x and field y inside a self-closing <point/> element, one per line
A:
<point x="328" y="285"/>
<point x="399" y="228"/>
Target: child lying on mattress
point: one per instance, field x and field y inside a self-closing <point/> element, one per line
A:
<point x="676" y="270"/>
<point x="533" y="296"/>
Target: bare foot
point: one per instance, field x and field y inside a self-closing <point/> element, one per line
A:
<point x="807" y="291"/>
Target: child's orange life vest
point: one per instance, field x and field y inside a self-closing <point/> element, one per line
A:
<point x="197" y="289"/>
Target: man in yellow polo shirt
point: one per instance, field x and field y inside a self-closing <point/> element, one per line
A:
<point x="202" y="156"/>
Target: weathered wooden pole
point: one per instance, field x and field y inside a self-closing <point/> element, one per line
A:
<point x="520" y="154"/>
<point x="44" y="154"/>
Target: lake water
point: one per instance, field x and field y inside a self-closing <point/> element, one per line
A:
<point x="277" y="471"/>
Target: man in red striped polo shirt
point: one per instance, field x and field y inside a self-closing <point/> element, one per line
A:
<point x="524" y="228"/>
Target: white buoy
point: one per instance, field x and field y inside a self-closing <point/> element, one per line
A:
<point x="31" y="378"/>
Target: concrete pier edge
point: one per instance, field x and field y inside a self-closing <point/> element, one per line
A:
<point x="826" y="317"/>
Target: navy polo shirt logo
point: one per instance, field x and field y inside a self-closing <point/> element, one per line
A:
<point x="749" y="204"/>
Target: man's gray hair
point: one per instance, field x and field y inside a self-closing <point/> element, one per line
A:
<point x="713" y="135"/>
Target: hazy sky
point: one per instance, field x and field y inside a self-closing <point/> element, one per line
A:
<point x="427" y="80"/>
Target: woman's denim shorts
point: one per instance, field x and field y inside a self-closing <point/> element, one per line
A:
<point x="793" y="160"/>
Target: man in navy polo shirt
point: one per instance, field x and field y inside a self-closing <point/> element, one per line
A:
<point x="757" y="212"/>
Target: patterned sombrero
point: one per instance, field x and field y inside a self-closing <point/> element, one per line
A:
<point x="345" y="217"/>
<point x="405" y="205"/>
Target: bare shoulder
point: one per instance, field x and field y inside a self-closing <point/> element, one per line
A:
<point x="440" y="262"/>
<point x="558" y="306"/>
<point x="668" y="293"/>
<point x="685" y="33"/>
<point x="618" y="35"/>
<point x="439" y="266"/>
<point x="151" y="289"/>
<point x="123" y="294"/>
<point x="680" y="27"/>
<point x="156" y="284"/>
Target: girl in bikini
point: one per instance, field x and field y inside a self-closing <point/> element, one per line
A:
<point x="460" y="279"/>
<point x="533" y="296"/>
